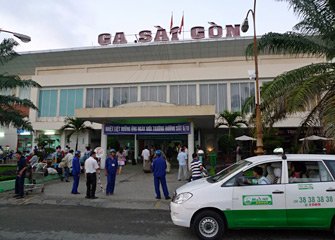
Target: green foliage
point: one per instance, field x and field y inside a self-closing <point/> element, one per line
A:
<point x="9" y="114"/>
<point x="75" y="126"/>
<point x="227" y="144"/>
<point x="231" y="120"/>
<point x="43" y="141"/>
<point x="271" y="140"/>
<point x="112" y="142"/>
<point x="7" y="172"/>
<point x="310" y="88"/>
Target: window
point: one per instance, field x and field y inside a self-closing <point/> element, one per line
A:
<point x="307" y="171"/>
<point x="122" y="95"/>
<point x="331" y="166"/>
<point x="153" y="93"/>
<point x="47" y="103"/>
<point x="183" y="94"/>
<point x="24" y="93"/>
<point x="240" y="92"/>
<point x="262" y="174"/>
<point x="70" y="99"/>
<point x="6" y="91"/>
<point x="97" y="97"/>
<point x="214" y="94"/>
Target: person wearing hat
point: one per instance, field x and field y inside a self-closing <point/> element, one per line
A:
<point x="159" y="172"/>
<point x="21" y="174"/>
<point x="75" y="172"/>
<point x="111" y="168"/>
<point x="91" y="168"/>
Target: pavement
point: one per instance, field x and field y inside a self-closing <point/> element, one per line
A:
<point x="134" y="189"/>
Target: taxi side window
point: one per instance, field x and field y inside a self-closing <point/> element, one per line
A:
<point x="262" y="174"/>
<point x="331" y="166"/>
<point x="307" y="171"/>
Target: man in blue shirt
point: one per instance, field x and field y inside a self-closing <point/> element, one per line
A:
<point x="159" y="172"/>
<point x="75" y="172"/>
<point x="21" y="174"/>
<point x="110" y="171"/>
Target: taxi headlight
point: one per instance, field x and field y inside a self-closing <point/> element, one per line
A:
<point x="182" y="197"/>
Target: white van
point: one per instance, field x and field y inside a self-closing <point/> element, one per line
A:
<point x="270" y="191"/>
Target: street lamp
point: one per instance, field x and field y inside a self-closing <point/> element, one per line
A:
<point x="22" y="37"/>
<point x="259" y="130"/>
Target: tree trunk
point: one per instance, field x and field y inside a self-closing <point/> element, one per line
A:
<point x="77" y="142"/>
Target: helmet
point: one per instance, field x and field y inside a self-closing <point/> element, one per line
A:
<point x="112" y="150"/>
<point x="158" y="152"/>
<point x="77" y="152"/>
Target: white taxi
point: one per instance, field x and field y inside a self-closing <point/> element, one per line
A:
<point x="270" y="191"/>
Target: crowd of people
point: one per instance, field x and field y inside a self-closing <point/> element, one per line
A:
<point x="66" y="162"/>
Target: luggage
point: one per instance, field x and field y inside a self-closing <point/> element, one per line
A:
<point x="147" y="166"/>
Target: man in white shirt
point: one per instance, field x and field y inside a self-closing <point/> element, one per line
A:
<point x="145" y="156"/>
<point x="91" y="167"/>
<point x="182" y="160"/>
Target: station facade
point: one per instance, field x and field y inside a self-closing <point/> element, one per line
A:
<point x="139" y="94"/>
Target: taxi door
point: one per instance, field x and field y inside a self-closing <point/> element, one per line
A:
<point x="311" y="196"/>
<point x="259" y="205"/>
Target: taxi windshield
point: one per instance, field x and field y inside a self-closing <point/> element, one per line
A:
<point x="227" y="171"/>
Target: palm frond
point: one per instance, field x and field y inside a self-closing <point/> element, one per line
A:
<point x="6" y="50"/>
<point x="283" y="84"/>
<point x="290" y="43"/>
<point x="10" y="101"/>
<point x="13" y="81"/>
<point x="317" y="17"/>
<point x="14" y="118"/>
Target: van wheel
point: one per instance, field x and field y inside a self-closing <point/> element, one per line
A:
<point x="209" y="225"/>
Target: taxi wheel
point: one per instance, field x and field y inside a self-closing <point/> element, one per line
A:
<point x="209" y="224"/>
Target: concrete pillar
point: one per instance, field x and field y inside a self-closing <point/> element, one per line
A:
<point x="33" y="144"/>
<point x="190" y="145"/>
<point x="62" y="140"/>
<point x="135" y="147"/>
<point x="104" y="146"/>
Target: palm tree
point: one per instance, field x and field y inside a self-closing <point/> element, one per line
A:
<point x="75" y="126"/>
<point x="10" y="114"/>
<point x="310" y="88"/>
<point x="231" y="120"/>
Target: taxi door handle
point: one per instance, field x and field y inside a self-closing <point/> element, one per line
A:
<point x="277" y="192"/>
<point x="331" y="190"/>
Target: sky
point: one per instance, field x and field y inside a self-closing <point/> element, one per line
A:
<point x="63" y="24"/>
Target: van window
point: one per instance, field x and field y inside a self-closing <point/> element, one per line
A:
<point x="308" y="171"/>
<point x="262" y="174"/>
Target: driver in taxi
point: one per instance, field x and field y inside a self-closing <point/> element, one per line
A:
<point x="258" y="174"/>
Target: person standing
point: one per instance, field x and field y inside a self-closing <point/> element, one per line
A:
<point x="238" y="153"/>
<point x="196" y="167"/>
<point x="121" y="157"/>
<point x="111" y="168"/>
<point x="91" y="168"/>
<point x="76" y="172"/>
<point x="146" y="159"/>
<point x="20" y="175"/>
<point x="182" y="160"/>
<point x="67" y="164"/>
<point x="159" y="172"/>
